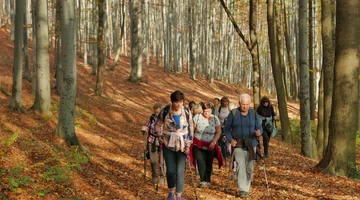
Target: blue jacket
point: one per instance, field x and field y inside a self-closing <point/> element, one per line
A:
<point x="242" y="126"/>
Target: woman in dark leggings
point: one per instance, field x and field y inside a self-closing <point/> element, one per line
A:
<point x="205" y="147"/>
<point x="265" y="110"/>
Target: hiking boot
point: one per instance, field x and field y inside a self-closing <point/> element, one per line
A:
<point x="170" y="196"/>
<point x="244" y="194"/>
<point x="161" y="181"/>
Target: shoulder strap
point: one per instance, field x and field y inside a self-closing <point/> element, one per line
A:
<point x="187" y="113"/>
<point x="165" y="112"/>
<point x="233" y="112"/>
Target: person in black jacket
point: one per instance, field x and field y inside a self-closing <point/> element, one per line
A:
<point x="266" y="110"/>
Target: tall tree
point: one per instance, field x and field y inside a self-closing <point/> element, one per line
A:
<point x="306" y="142"/>
<point x="254" y="51"/>
<point x="327" y="33"/>
<point x="290" y="56"/>
<point x="66" y="120"/>
<point x="280" y="90"/>
<point x="311" y="61"/>
<point x="42" y="97"/>
<point x="26" y="47"/>
<point x="339" y="158"/>
<point x="251" y="45"/>
<point x="101" y="53"/>
<point x="16" y="102"/>
<point x="136" y="40"/>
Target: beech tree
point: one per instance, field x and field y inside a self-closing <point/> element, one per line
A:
<point x="16" y="102"/>
<point x="42" y="97"/>
<point x="66" y="120"/>
<point x="340" y="154"/>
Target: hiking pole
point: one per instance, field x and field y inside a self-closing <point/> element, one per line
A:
<point x="143" y="132"/>
<point x="267" y="184"/>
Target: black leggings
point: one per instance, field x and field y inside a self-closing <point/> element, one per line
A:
<point x="204" y="159"/>
<point x="266" y="140"/>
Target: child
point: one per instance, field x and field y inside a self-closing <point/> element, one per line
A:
<point x="154" y="147"/>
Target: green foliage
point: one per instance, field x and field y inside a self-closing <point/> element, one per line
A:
<point x="15" y="179"/>
<point x="296" y="131"/>
<point x="354" y="172"/>
<point x="57" y="105"/>
<point x="43" y="192"/>
<point x="11" y="139"/>
<point x="57" y="174"/>
<point x="76" y="158"/>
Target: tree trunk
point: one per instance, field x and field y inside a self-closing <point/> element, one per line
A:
<point x="16" y="102"/>
<point x="290" y="56"/>
<point x="327" y="33"/>
<point x="311" y="62"/>
<point x="321" y="124"/>
<point x="280" y="90"/>
<point x="306" y="143"/>
<point x="340" y="155"/>
<point x="254" y="51"/>
<point x="101" y="53"/>
<point x="66" y="120"/>
<point x="122" y="24"/>
<point x="27" y="75"/>
<point x="191" y="55"/>
<point x="58" y="70"/>
<point x="33" y="82"/>
<point x="135" y="41"/>
<point x="42" y="97"/>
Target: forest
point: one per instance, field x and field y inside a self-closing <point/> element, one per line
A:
<point x="78" y="80"/>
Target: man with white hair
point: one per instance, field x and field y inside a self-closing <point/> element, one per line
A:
<point x="242" y="129"/>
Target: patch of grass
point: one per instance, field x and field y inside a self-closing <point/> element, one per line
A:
<point x="43" y="192"/>
<point x="57" y="174"/>
<point x="11" y="139"/>
<point x="57" y="105"/>
<point x="16" y="179"/>
<point x="76" y="158"/>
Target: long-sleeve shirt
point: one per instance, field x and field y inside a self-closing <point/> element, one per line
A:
<point x="242" y="126"/>
<point x="177" y="133"/>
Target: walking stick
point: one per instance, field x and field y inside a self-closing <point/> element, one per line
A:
<point x="267" y="184"/>
<point x="144" y="139"/>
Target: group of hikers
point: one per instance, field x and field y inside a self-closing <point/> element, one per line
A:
<point x="202" y="132"/>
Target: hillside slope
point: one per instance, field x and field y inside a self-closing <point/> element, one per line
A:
<point x="35" y="164"/>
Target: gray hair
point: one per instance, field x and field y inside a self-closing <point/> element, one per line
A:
<point x="244" y="96"/>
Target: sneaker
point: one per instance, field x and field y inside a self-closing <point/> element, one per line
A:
<point x="244" y="194"/>
<point x="161" y="181"/>
<point x="203" y="184"/>
<point x="170" y="196"/>
<point x="178" y="198"/>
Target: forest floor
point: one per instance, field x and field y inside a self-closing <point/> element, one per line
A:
<point x="36" y="164"/>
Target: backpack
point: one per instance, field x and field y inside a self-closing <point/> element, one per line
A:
<point x="167" y="109"/>
<point x="259" y="154"/>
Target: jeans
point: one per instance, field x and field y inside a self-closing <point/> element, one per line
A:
<point x="175" y="169"/>
<point x="204" y="160"/>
